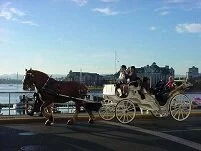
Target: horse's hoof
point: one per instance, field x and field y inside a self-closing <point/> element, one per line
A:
<point x="70" y="122"/>
<point x="30" y="113"/>
<point x="91" y="121"/>
<point x="41" y="115"/>
<point x="48" y="123"/>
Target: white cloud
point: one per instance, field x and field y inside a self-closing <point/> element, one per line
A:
<point x="29" y="23"/>
<point x="164" y="13"/>
<point x="13" y="14"/>
<point x="152" y="28"/>
<point x="175" y="1"/>
<point x="161" y="9"/>
<point x="8" y="12"/>
<point x="106" y="11"/>
<point x="188" y="28"/>
<point x="6" y="15"/>
<point x="77" y="2"/>
<point x="17" y="12"/>
<point x="80" y="2"/>
<point x="108" y="1"/>
<point x="186" y="5"/>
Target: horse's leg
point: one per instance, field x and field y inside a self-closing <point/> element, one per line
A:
<point x="48" y="116"/>
<point x="50" y="119"/>
<point x="75" y="116"/>
<point x="141" y="110"/>
<point x="91" y="116"/>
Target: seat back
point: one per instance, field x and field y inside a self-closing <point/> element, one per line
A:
<point x="109" y="89"/>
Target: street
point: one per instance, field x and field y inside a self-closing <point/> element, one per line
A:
<point x="140" y="135"/>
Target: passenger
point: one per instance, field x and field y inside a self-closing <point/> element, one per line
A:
<point x="122" y="74"/>
<point x="170" y="84"/>
<point x="132" y="76"/>
<point x="122" y="79"/>
<point x="146" y="84"/>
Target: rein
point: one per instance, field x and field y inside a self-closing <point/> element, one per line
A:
<point x="48" y="90"/>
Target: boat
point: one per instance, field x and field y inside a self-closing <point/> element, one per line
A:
<point x="196" y="102"/>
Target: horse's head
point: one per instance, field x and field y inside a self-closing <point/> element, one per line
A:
<point x="28" y="82"/>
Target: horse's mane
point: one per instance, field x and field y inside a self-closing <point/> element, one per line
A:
<point x="39" y="72"/>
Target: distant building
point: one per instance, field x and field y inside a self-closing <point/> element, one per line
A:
<point x="108" y="79"/>
<point x="193" y="73"/>
<point x="87" y="78"/>
<point x="155" y="73"/>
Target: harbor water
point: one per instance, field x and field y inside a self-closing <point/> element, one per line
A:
<point x="16" y="91"/>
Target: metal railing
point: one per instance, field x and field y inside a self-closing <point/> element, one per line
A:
<point x="9" y="101"/>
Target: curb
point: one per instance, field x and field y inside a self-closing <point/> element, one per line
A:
<point x="64" y="118"/>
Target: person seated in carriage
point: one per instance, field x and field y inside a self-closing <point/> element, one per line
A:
<point x="146" y="84"/>
<point x="132" y="76"/>
<point x="162" y="90"/>
<point x="126" y="77"/>
<point x="170" y="85"/>
<point x="122" y="74"/>
<point x="122" y="79"/>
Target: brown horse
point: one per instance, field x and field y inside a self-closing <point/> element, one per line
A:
<point x="51" y="91"/>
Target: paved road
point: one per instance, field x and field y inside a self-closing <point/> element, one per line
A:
<point x="141" y="135"/>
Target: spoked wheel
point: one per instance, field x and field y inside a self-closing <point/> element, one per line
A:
<point x="180" y="107"/>
<point x="107" y="111"/>
<point x="125" y="111"/>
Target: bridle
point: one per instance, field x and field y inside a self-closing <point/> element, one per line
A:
<point x="29" y="80"/>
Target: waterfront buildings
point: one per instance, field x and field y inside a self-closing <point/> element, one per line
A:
<point x="90" y="79"/>
<point x="155" y="73"/>
<point x="193" y="73"/>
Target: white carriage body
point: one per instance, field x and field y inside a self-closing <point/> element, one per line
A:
<point x="109" y="89"/>
<point x="178" y="104"/>
<point x="147" y="104"/>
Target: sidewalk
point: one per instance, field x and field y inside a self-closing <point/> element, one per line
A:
<point x="63" y="118"/>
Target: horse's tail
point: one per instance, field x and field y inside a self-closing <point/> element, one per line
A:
<point x="83" y="89"/>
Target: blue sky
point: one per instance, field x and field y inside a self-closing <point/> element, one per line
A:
<point x="55" y="36"/>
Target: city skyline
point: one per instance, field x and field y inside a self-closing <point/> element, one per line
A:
<point x="55" y="36"/>
<point x="58" y="75"/>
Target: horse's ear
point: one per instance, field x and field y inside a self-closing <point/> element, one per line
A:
<point x="30" y="68"/>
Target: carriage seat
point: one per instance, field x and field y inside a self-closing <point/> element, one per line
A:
<point x="109" y="89"/>
<point x="124" y="89"/>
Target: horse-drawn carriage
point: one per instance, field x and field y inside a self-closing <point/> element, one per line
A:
<point x="124" y="109"/>
<point x="52" y="91"/>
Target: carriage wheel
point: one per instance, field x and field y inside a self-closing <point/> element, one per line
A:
<point x="180" y="107"/>
<point x="107" y="111"/>
<point x="125" y="111"/>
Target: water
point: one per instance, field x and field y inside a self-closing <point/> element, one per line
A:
<point x="17" y="91"/>
<point x="14" y="97"/>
